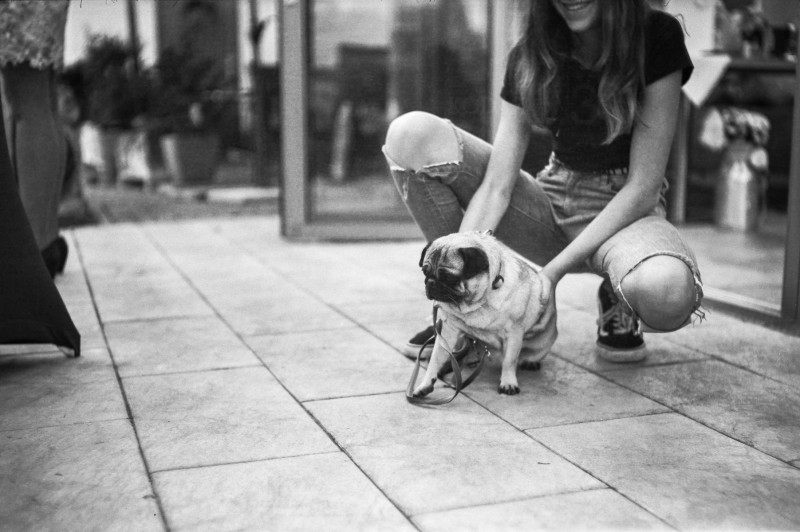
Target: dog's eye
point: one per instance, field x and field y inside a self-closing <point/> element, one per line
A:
<point x="426" y="269"/>
<point x="448" y="278"/>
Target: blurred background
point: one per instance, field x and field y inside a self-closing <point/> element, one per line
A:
<point x="178" y="108"/>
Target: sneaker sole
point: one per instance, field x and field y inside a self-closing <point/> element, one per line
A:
<point x="411" y="351"/>
<point x="621" y="356"/>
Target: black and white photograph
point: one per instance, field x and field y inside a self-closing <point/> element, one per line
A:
<point x="399" y="265"/>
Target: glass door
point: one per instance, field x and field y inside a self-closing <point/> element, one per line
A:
<point x="735" y="173"/>
<point x="348" y="67"/>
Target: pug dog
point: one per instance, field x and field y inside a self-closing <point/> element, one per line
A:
<point x="485" y="291"/>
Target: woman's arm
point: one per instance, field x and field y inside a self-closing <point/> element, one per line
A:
<point x="650" y="145"/>
<point x="491" y="200"/>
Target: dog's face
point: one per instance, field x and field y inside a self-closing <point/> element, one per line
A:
<point x="457" y="269"/>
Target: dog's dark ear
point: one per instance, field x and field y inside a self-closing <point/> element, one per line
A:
<point x="475" y="261"/>
<point x="422" y="257"/>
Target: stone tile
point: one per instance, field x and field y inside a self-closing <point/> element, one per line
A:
<point x="558" y="394"/>
<point x="72" y="285"/>
<point x="258" y="312"/>
<point x="399" y="260"/>
<point x="319" y="492"/>
<point x="769" y="352"/>
<point x="340" y="284"/>
<point x="601" y="509"/>
<point x="78" y="477"/>
<point x="755" y="410"/>
<point x="577" y="337"/>
<point x="397" y="333"/>
<point x="149" y="297"/>
<point x="41" y="390"/>
<point x="326" y="364"/>
<point x="689" y="475"/>
<point x="434" y="459"/>
<point x="413" y="312"/>
<point x="119" y="251"/>
<point x="175" y="345"/>
<point x="204" y="255"/>
<point x="216" y="417"/>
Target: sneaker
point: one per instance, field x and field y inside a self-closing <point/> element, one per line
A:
<point x="412" y="347"/>
<point x="619" y="332"/>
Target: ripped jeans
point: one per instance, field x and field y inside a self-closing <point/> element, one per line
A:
<point x="545" y="213"/>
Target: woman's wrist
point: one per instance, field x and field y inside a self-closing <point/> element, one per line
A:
<point x="552" y="272"/>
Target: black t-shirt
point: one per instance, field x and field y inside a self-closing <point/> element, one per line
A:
<point x="579" y="129"/>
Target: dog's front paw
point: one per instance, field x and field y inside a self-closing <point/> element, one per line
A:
<point x="424" y="389"/>
<point x="508" y="389"/>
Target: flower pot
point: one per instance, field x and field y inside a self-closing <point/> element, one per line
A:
<point x="99" y="149"/>
<point x="741" y="190"/>
<point x="191" y="158"/>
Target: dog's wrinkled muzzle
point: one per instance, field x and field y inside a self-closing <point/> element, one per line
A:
<point x="438" y="291"/>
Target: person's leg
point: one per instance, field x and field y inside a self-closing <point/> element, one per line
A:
<point x="437" y="168"/>
<point x="36" y="144"/>
<point x="654" y="272"/>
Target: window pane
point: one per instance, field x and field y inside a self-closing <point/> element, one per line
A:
<point x="372" y="61"/>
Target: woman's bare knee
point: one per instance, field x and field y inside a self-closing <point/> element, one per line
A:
<point x="417" y="139"/>
<point x="661" y="291"/>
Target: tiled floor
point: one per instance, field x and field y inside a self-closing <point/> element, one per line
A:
<point x="232" y="380"/>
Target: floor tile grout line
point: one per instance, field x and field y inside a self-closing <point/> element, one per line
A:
<point x="278" y="380"/>
<point x="633" y="366"/>
<point x="587" y="421"/>
<point x="63" y="425"/>
<point x="190" y="371"/>
<point x="724" y="360"/>
<point x="241" y="462"/>
<point x="148" y="319"/>
<point x="126" y="402"/>
<point x="342" y="397"/>
<point x="510" y="501"/>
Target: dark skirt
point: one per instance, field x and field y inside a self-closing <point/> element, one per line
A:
<point x="31" y="308"/>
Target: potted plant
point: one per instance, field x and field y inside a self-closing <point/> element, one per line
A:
<point x="186" y="111"/>
<point x="116" y="95"/>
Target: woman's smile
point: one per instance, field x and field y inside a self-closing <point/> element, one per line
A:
<point x="580" y="15"/>
<point x="576" y="6"/>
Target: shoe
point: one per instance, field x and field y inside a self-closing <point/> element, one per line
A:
<point x="55" y="256"/>
<point x="619" y="332"/>
<point x="412" y="347"/>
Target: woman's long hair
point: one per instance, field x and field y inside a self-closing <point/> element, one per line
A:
<point x="547" y="43"/>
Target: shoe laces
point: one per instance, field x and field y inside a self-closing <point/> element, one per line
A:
<point x="618" y="320"/>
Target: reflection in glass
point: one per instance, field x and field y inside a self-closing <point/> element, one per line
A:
<point x="737" y="196"/>
<point x="372" y="61"/>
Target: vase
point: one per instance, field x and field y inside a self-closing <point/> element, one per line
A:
<point x="740" y="195"/>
